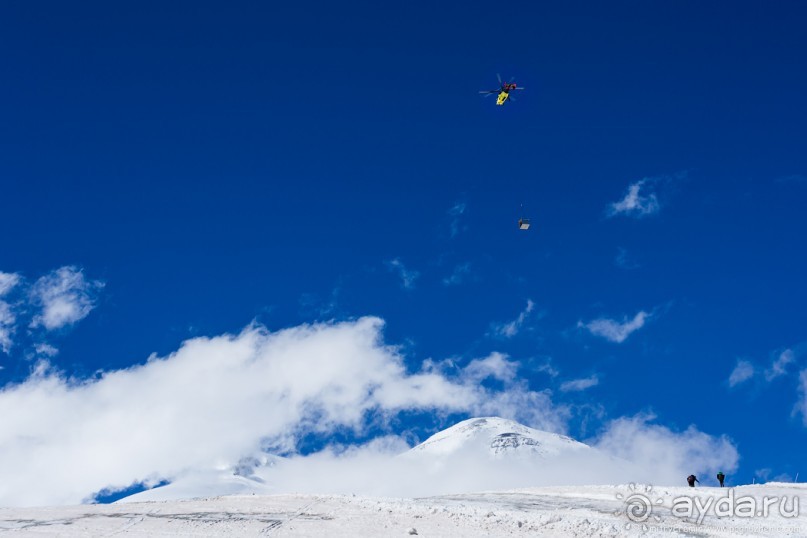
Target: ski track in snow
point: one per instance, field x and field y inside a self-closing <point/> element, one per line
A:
<point x="547" y="511"/>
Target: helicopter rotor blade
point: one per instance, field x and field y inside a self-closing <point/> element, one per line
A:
<point x="498" y="76"/>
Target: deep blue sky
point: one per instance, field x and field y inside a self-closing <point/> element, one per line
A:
<point x="214" y="164"/>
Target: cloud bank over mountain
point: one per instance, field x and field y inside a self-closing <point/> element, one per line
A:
<point x="217" y="400"/>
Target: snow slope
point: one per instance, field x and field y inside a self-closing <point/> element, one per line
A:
<point x="550" y="511"/>
<point x="243" y="479"/>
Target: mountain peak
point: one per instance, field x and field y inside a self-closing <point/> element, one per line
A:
<point x="499" y="436"/>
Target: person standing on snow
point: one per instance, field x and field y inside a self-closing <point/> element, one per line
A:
<point x="691" y="479"/>
<point x="720" y="477"/>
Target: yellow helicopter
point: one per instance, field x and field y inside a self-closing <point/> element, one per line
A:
<point x="504" y="91"/>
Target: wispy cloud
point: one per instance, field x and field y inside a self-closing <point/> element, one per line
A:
<point x="7" y="321"/>
<point x="495" y="365"/>
<point x="45" y="350"/>
<point x="64" y="296"/>
<point x="7" y="317"/>
<point x="613" y="330"/>
<point x="801" y="404"/>
<point x="745" y="369"/>
<point x="459" y="275"/>
<point x="766" y="475"/>
<point x="639" y="201"/>
<point x="779" y="366"/>
<point x="512" y="328"/>
<point x="547" y="368"/>
<point x="742" y="372"/>
<point x="314" y="306"/>
<point x="407" y="276"/>
<point x="7" y="282"/>
<point x="576" y="385"/>
<point x="784" y="364"/>
<point x="623" y="260"/>
<point x="455" y="215"/>
<point x="58" y="299"/>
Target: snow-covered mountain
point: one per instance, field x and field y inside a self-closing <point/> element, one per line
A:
<point x="474" y="455"/>
<point x="492" y="453"/>
<point x="500" y="437"/>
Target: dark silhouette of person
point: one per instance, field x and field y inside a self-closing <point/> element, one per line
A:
<point x="691" y="479"/>
<point x="720" y="477"/>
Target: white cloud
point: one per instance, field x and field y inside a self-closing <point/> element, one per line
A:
<point x="766" y="475"/>
<point x="218" y="399"/>
<point x="743" y="371"/>
<point x="459" y="275"/>
<point x="516" y="401"/>
<point x="779" y="366"/>
<point x="635" y="203"/>
<point x="45" y="350"/>
<point x="548" y="369"/>
<point x="60" y="298"/>
<point x="576" y="385"/>
<point x="801" y="404"/>
<point x="511" y="328"/>
<point x="455" y="214"/>
<point x="624" y="261"/>
<point x="407" y="276"/>
<point x="666" y="457"/>
<point x="615" y="331"/>
<point x="494" y="365"/>
<point x="7" y="282"/>
<point x="763" y="473"/>
<point x="65" y="297"/>
<point x="7" y="320"/>
<point x="7" y="317"/>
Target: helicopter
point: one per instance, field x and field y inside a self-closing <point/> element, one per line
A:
<point x="504" y="90"/>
